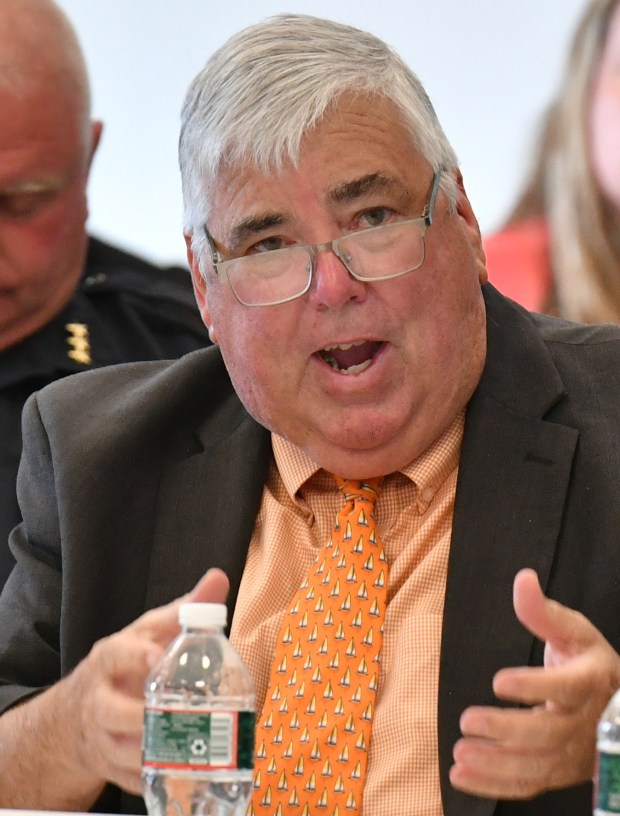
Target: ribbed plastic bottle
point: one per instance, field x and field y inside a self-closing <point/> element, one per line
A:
<point x="607" y="780"/>
<point x="198" y="744"/>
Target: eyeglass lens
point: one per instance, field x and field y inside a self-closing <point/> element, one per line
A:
<point x="380" y="252"/>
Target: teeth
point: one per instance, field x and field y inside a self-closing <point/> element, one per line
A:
<point x="354" y="369"/>
<point x="331" y="353"/>
<point x="345" y="346"/>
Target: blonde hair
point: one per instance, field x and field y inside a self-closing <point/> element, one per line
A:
<point x="584" y="227"/>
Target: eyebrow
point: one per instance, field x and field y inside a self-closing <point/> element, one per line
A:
<point x="252" y="226"/>
<point x="370" y="183"/>
<point x="31" y="187"/>
<point x="343" y="193"/>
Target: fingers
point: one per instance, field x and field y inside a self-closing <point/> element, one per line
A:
<point x="111" y="685"/>
<point x="566" y="687"/>
<point x="519" y="753"/>
<point x="121" y="662"/>
<point x="106" y="731"/>
<point x="514" y="753"/>
<point x="483" y="769"/>
<point x="517" y="728"/>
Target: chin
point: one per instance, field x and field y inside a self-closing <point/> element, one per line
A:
<point x="356" y="461"/>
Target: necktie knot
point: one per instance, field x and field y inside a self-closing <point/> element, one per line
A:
<point x="354" y="490"/>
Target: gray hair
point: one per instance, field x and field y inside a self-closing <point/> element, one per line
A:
<point x="271" y="83"/>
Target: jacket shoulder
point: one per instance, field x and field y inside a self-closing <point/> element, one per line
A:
<point x="139" y="402"/>
<point x="534" y="361"/>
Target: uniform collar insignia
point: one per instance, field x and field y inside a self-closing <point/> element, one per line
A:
<point x="79" y="343"/>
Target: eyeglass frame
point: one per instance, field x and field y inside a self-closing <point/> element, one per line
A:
<point x="424" y="221"/>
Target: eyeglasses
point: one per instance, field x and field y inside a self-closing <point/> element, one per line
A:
<point x="369" y="255"/>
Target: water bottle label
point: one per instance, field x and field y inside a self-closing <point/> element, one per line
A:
<point x="200" y="740"/>
<point x="608" y="783"/>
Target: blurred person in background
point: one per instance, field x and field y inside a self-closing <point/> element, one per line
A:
<point x="559" y="249"/>
<point x="68" y="302"/>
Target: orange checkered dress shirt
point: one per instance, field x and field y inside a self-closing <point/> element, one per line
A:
<point x="414" y="516"/>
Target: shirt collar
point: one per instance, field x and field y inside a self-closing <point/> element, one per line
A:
<point x="428" y="472"/>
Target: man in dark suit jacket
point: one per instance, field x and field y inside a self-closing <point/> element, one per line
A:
<point x="136" y="480"/>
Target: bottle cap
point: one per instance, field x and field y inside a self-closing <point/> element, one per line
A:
<point x="203" y="614"/>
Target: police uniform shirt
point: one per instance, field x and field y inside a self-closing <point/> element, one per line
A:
<point x="125" y="309"/>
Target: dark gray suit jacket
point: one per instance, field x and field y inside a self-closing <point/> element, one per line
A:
<point x="137" y="478"/>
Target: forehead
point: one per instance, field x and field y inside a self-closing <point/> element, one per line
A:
<point x="362" y="137"/>
<point x="39" y="131"/>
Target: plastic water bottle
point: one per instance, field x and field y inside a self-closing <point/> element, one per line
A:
<point x="607" y="786"/>
<point x="198" y="744"/>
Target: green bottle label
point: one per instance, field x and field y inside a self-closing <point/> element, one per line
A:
<point x="199" y="740"/>
<point x="608" y="787"/>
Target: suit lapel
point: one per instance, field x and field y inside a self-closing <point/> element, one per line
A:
<point x="207" y="507"/>
<point x="514" y="473"/>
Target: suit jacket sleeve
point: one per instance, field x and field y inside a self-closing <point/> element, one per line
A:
<point x="33" y="592"/>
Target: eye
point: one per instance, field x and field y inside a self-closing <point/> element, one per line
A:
<point x="267" y="245"/>
<point x="23" y="205"/>
<point x="376" y="217"/>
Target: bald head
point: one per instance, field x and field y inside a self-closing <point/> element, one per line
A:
<point x="39" y="51"/>
<point x="47" y="141"/>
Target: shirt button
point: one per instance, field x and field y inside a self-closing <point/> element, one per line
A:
<point x="428" y="494"/>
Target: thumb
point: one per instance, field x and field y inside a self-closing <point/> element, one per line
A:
<point x="548" y="620"/>
<point x="162" y="624"/>
<point x="211" y="588"/>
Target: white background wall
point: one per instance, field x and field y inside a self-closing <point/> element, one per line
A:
<point x="490" y="66"/>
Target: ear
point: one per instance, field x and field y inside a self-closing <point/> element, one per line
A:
<point x="96" y="129"/>
<point x="200" y="287"/>
<point x="472" y="229"/>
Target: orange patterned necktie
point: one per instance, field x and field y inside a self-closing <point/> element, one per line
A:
<point x="314" y="731"/>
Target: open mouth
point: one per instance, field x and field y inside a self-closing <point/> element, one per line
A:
<point x="351" y="358"/>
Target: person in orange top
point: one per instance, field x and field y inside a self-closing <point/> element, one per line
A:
<point x="338" y="266"/>
<point x="559" y="249"/>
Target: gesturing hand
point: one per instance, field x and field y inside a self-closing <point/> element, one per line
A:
<point x="516" y="753"/>
<point x="100" y="706"/>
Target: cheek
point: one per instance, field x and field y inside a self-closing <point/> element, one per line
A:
<point x="47" y="252"/>
<point x="58" y="229"/>
<point x="261" y="353"/>
<point x="452" y="307"/>
<point x="250" y="354"/>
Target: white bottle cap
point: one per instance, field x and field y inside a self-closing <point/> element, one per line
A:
<point x="202" y="614"/>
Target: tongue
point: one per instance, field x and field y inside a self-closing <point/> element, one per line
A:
<point x="355" y="355"/>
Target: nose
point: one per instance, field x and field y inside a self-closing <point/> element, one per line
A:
<point x="332" y="285"/>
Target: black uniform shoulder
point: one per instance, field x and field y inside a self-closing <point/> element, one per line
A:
<point x="137" y="310"/>
<point x="109" y="268"/>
